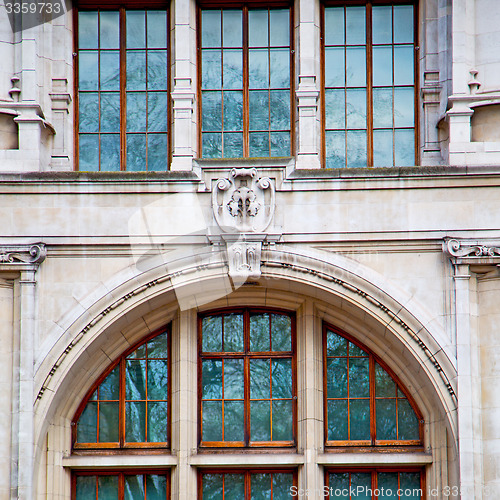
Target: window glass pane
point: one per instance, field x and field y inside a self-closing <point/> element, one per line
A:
<point x="282" y="482"/>
<point x="233" y="110"/>
<point x="87" y="424"/>
<point x="233" y="145"/>
<point x="157" y="28"/>
<point x="110" y="152"/>
<point x="339" y="483"/>
<point x="157" y="422"/>
<point x="212" y="334"/>
<point x="88" y="112"/>
<point x="233" y="332"/>
<point x="134" y="487"/>
<point x="384" y="385"/>
<point x="335" y="345"/>
<point x="382" y="24"/>
<point x="356" y="108"/>
<point x="88" y="71"/>
<point x="136" y="70"/>
<point x="211" y="69"/>
<point x="234" y="487"/>
<point x="403" y="65"/>
<point x="136" y="111"/>
<point x="335" y="108"/>
<point x="212" y="145"/>
<point x="233" y="69"/>
<point x="156" y="487"/>
<point x="232" y="28"/>
<point x="110" y="386"/>
<point x="211" y="379"/>
<point x="280" y="110"/>
<point x="335" y="67"/>
<point x="259" y="332"/>
<point x="334" y="26"/>
<point x="157" y="152"/>
<point x="356" y="67"/>
<point x="281" y="335"/>
<point x="382" y="148"/>
<point x="157" y="111"/>
<point x="280" y="68"/>
<point x="212" y="421"/>
<point x="354" y="350"/>
<point x="108" y="487"/>
<point x="359" y="381"/>
<point x="110" y="112"/>
<point x="282" y="378"/>
<point x="233" y="421"/>
<point x="403" y="24"/>
<point x="356" y="148"/>
<point x="233" y="379"/>
<point x="261" y="486"/>
<point x="337" y="420"/>
<point x="212" y="486"/>
<point x="258" y="26"/>
<point x="157" y="379"/>
<point x="108" y="422"/>
<point x="86" y="488"/>
<point x="136" y="29"/>
<point x="110" y="70"/>
<point x="88" y="155"/>
<point x="388" y="485"/>
<point x="362" y="482"/>
<point x="212" y="111"/>
<point x="355" y="26"/>
<point x="87" y="30"/>
<point x="382" y="65"/>
<point x="109" y="30"/>
<point x="258" y="67"/>
<point x="404" y="148"/>
<point x="259" y="144"/>
<point x="409" y="482"/>
<point x="382" y="109"/>
<point x="157" y="70"/>
<point x="336" y="377"/>
<point x="280" y="144"/>
<point x="211" y="28"/>
<point x="386" y="418"/>
<point x="260" y="378"/>
<point x="335" y="149"/>
<point x="407" y="421"/>
<point x="359" y="417"/>
<point x="404" y="99"/>
<point x="158" y="346"/>
<point x="260" y="421"/>
<point x="280" y="27"/>
<point x="135" y="422"/>
<point x="259" y="110"/>
<point x="135" y="380"/>
<point x="282" y="420"/>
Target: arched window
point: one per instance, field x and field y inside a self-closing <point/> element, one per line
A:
<point x="364" y="404"/>
<point x="129" y="405"/>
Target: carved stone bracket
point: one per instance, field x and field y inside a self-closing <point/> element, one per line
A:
<point x="473" y="251"/>
<point x="19" y="257"/>
<point x="243" y="202"/>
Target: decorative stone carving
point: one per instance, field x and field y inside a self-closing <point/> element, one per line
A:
<point x="14" y="255"/>
<point x="456" y="248"/>
<point x="243" y="202"/>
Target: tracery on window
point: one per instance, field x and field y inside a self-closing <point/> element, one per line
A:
<point x="247" y="374"/>
<point x="129" y="406"/>
<point x="364" y="404"/>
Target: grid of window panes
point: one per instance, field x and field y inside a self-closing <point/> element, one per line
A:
<point x="246" y="486"/>
<point x="369" y="85"/>
<point x="141" y="416"/>
<point x="245" y="83"/>
<point x="122" y="90"/>
<point x="129" y="486"/>
<point x="375" y="485"/>
<point x="364" y="404"/>
<point x="247" y="379"/>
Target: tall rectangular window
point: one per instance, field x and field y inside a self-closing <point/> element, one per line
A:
<point x="246" y="82"/>
<point x="369" y="84"/>
<point x="123" y="90"/>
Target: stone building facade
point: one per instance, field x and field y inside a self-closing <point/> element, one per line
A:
<point x="391" y="247"/>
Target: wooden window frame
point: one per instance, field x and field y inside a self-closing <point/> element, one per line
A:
<point x="121" y="7"/>
<point x="245" y="6"/>
<point x="374" y="471"/>
<point x="122" y="444"/>
<point x="399" y="445"/>
<point x="369" y="72"/>
<point x="247" y="472"/>
<point x="246" y="356"/>
<point x="121" y="473"/>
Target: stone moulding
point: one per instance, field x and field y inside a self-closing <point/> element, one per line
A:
<point x="471" y="251"/>
<point x="22" y="255"/>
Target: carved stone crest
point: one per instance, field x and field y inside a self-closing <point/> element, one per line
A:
<point x="243" y="202"/>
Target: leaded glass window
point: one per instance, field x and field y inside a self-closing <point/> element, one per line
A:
<point x="248" y="379"/>
<point x="246" y="85"/>
<point x="121" y="486"/>
<point x="275" y="485"/>
<point x="369" y="84"/>
<point x="383" y="484"/>
<point x="364" y="403"/>
<point x="123" y="90"/>
<point x="129" y="406"/>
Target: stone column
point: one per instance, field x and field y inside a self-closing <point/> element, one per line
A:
<point x="184" y="404"/>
